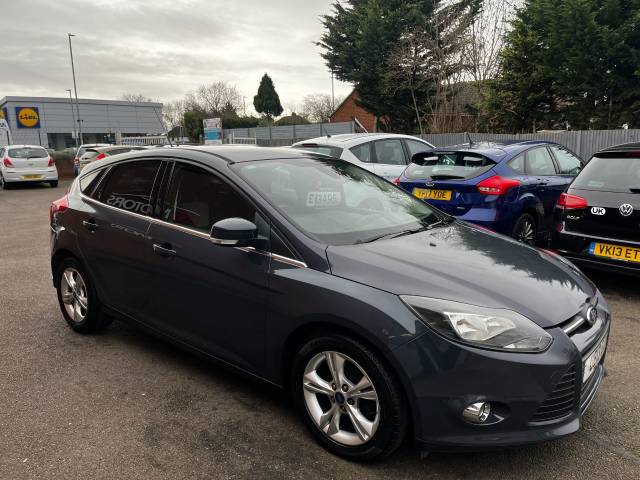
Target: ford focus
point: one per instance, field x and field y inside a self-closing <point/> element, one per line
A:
<point x="383" y="317"/>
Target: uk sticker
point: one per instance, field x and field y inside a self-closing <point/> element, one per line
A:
<point x="598" y="210"/>
<point x="323" y="199"/>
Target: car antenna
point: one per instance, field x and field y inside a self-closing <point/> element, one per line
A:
<point x="470" y="139"/>
<point x="325" y="131"/>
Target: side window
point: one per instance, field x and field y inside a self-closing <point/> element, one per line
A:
<point x="389" y="152"/>
<point x="517" y="164"/>
<point x="539" y="162"/>
<point x="88" y="182"/>
<point x="416" y="147"/>
<point x="362" y="152"/>
<point x="569" y="164"/>
<point x="129" y="186"/>
<point x="198" y="199"/>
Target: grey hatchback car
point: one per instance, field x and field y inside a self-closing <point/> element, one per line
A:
<point x="380" y="315"/>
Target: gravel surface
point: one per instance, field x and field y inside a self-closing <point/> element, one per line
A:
<point x="123" y="404"/>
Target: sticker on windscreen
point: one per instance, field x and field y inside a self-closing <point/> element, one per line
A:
<point x="323" y="199"/>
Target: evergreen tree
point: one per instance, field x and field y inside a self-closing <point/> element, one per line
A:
<point x="267" y="100"/>
<point x="569" y="62"/>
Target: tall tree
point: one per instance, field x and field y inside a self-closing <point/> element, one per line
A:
<point x="318" y="107"/>
<point x="569" y="63"/>
<point x="360" y="37"/>
<point x="267" y="100"/>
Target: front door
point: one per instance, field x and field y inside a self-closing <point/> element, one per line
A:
<point x="390" y="158"/>
<point x="210" y="296"/>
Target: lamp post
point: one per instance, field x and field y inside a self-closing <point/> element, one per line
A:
<point x="73" y="114"/>
<point x="75" y="88"/>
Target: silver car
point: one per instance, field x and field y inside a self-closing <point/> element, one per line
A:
<point x="385" y="154"/>
<point x="26" y="163"/>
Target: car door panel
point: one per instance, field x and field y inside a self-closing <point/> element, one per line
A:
<point x="390" y="158"/>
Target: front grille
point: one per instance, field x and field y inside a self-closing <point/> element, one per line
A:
<point x="561" y="401"/>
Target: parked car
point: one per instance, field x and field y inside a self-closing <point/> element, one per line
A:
<point x="598" y="218"/>
<point x="81" y="151"/>
<point x="26" y="164"/>
<point x="508" y="187"/>
<point x="98" y="153"/>
<point x="380" y="317"/>
<point x="384" y="154"/>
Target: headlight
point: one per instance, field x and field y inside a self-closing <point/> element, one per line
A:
<point x="497" y="329"/>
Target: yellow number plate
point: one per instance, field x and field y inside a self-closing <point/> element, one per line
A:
<point x="31" y="177"/>
<point x="429" y="194"/>
<point x="616" y="252"/>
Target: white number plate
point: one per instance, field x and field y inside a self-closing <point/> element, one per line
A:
<point x="592" y="361"/>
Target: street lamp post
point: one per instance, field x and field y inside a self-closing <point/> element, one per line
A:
<point x="73" y="114"/>
<point x="75" y="88"/>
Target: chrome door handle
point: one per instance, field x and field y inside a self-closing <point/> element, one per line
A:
<point x="164" y="249"/>
<point x="90" y="225"/>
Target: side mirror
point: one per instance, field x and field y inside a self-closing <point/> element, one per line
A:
<point x="234" y="232"/>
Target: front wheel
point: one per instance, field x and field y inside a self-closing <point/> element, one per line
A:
<point x="350" y="401"/>
<point x="524" y="230"/>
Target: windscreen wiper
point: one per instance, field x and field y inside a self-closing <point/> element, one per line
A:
<point x="392" y="235"/>
<point x="635" y="189"/>
<point x="446" y="177"/>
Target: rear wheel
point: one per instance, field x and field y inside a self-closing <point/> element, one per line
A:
<point x="77" y="298"/>
<point x="54" y="183"/>
<point x="525" y="230"/>
<point x="350" y="401"/>
<point x="3" y="185"/>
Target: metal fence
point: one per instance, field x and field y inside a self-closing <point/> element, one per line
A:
<point x="583" y="142"/>
<point x="289" y="134"/>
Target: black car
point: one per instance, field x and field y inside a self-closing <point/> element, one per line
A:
<point x="598" y="218"/>
<point x="381" y="315"/>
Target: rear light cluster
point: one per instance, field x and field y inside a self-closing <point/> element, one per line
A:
<point x="497" y="185"/>
<point x="52" y="162"/>
<point x="571" y="202"/>
<point x="58" y="206"/>
<point x="7" y="163"/>
<point x="396" y="181"/>
<point x="101" y="156"/>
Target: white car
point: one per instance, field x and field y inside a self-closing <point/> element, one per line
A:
<point x="385" y="154"/>
<point x="81" y="151"/>
<point x="26" y="163"/>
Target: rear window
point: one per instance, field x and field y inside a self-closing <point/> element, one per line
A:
<point x="335" y="152"/>
<point x="28" y="152"/>
<point x="453" y="165"/>
<point x="610" y="175"/>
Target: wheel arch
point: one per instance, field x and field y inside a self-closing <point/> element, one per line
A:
<point x="58" y="257"/>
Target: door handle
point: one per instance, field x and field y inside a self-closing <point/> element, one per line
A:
<point x="90" y="225"/>
<point x="164" y="249"/>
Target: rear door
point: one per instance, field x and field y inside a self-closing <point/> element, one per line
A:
<point x="390" y="158"/>
<point x="544" y="182"/>
<point x="28" y="158"/>
<point x="112" y="234"/>
<point x="611" y="187"/>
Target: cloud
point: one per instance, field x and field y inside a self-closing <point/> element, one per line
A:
<point x="162" y="48"/>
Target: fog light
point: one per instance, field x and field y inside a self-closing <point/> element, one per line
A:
<point x="477" y="412"/>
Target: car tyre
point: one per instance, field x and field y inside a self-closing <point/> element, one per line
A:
<point x="54" y="183"/>
<point x="3" y="185"/>
<point x="77" y="298"/>
<point x="370" y="396"/>
<point x="524" y="230"/>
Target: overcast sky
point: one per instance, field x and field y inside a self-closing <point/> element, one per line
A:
<point x="162" y="48"/>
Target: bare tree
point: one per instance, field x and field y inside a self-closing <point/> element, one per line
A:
<point x="214" y="98"/>
<point x="172" y="113"/>
<point x="318" y="107"/>
<point x="135" y="97"/>
<point x="486" y="34"/>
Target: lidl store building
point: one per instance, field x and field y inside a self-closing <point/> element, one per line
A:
<point x="50" y="121"/>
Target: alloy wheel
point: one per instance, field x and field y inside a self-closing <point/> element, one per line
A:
<point x="74" y="295"/>
<point x="341" y="398"/>
<point x="526" y="232"/>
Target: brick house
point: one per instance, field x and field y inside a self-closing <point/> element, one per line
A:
<point x="348" y="110"/>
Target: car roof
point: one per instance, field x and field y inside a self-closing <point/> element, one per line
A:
<point x="498" y="150"/>
<point x="344" y="138"/>
<point x="623" y="147"/>
<point x="213" y="154"/>
<point x="24" y="146"/>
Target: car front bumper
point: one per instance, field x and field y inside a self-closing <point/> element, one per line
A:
<point x="522" y="388"/>
<point x="30" y="175"/>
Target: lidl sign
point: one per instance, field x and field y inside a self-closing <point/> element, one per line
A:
<point x="28" y="117"/>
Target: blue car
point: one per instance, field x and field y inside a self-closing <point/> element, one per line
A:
<point x="508" y="187"/>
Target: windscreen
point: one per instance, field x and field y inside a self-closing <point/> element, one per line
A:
<point x="449" y="165"/>
<point x="335" y="152"/>
<point x="28" y="152"/>
<point x="610" y="175"/>
<point x="336" y="201"/>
